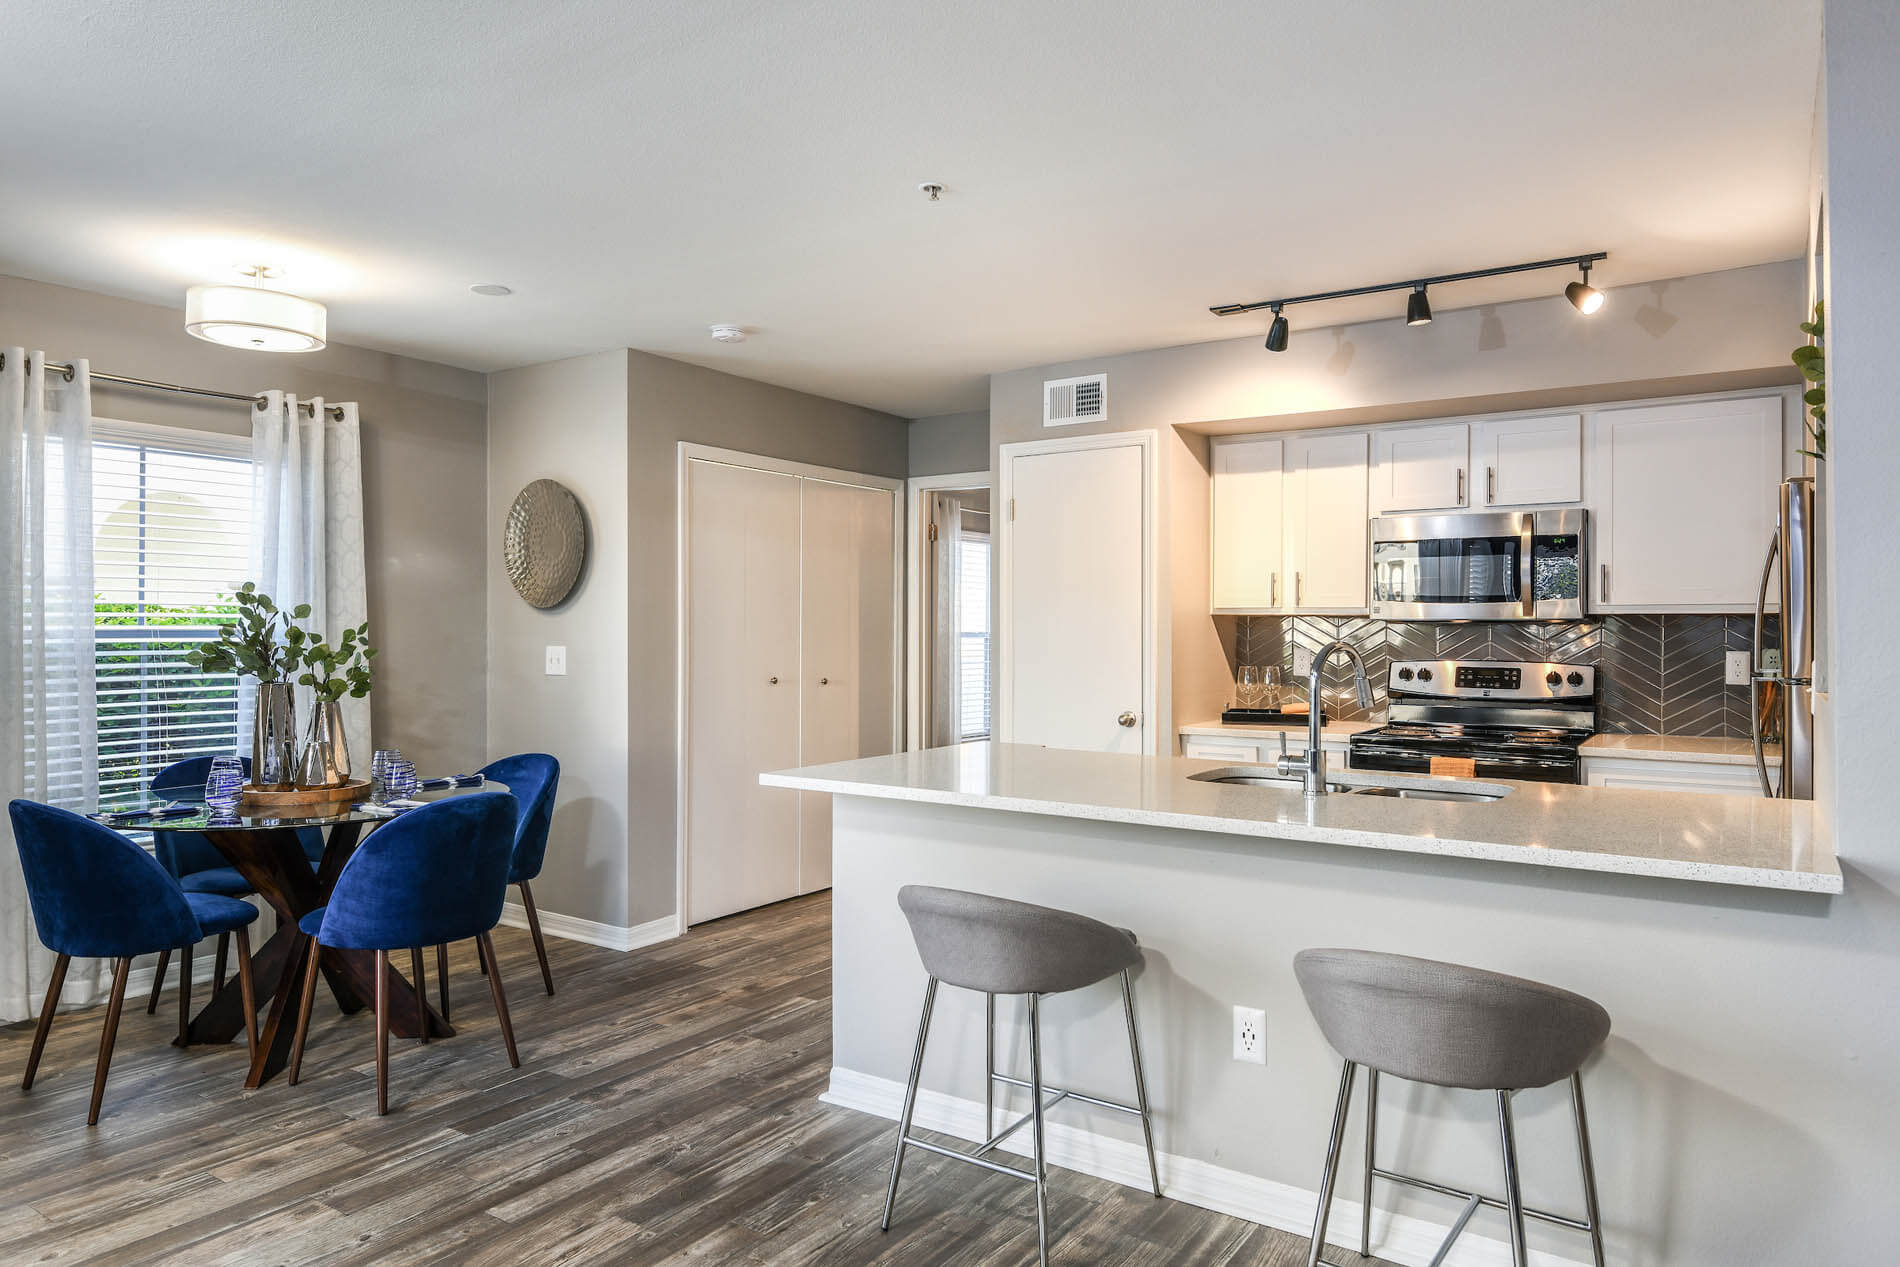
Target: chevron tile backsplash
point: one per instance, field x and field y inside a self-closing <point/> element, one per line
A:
<point x="1657" y="674"/>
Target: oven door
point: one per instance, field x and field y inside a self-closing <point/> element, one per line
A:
<point x="1556" y="765"/>
<point x="1504" y="566"/>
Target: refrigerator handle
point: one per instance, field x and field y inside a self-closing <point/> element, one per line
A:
<point x="1756" y="676"/>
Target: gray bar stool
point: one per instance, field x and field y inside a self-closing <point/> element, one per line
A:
<point x="1450" y="1026"/>
<point x="998" y="946"/>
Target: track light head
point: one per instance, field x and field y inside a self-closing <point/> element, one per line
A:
<point x="1276" y="333"/>
<point x="1587" y="298"/>
<point x="1418" y="309"/>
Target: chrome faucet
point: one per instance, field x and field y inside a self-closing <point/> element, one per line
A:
<point x="1312" y="763"/>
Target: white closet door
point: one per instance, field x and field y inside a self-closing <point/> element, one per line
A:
<point x="848" y="675"/>
<point x="742" y="629"/>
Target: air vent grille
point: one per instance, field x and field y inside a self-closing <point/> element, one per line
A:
<point x="1067" y="402"/>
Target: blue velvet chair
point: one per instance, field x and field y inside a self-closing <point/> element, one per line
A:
<point x="199" y="866"/>
<point x="97" y="895"/>
<point x="435" y="875"/>
<point x="533" y="778"/>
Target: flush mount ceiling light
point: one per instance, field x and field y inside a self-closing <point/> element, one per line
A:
<point x="725" y="333"/>
<point x="1586" y="297"/>
<point x="255" y="318"/>
<point x="1418" y="309"/>
<point x="495" y="289"/>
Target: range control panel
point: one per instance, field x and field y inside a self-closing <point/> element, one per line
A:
<point x="1493" y="679"/>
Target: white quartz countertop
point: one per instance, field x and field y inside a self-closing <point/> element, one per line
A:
<point x="1678" y="748"/>
<point x="1738" y="840"/>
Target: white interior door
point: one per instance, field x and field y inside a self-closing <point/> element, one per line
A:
<point x="1075" y="619"/>
<point x="848" y="672"/>
<point x="1248" y="552"/>
<point x="742" y="667"/>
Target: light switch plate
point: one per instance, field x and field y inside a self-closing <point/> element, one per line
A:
<point x="557" y="661"/>
<point x="1737" y="668"/>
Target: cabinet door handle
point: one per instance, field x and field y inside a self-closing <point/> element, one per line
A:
<point x="1461" y="486"/>
<point x="1490" y="485"/>
<point x="1299" y="588"/>
<point x="1274" y="601"/>
<point x="1603" y="581"/>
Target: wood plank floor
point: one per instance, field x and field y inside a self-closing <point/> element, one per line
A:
<point x="666" y="1112"/>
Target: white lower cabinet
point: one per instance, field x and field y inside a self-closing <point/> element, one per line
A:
<point x="1672" y="776"/>
<point x="1262" y="751"/>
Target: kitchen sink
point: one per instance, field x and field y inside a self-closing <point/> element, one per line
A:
<point x="1429" y="793"/>
<point x="1246" y="778"/>
<point x="1260" y="776"/>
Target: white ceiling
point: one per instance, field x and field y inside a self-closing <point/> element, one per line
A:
<point x="638" y="171"/>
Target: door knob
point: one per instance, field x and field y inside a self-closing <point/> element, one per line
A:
<point x="824" y="681"/>
<point x="1126" y="719"/>
<point x="774" y="681"/>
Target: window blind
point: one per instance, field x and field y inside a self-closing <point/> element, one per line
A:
<point x="171" y="544"/>
<point x="973" y="636"/>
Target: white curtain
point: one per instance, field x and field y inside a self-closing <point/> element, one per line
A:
<point x="49" y="747"/>
<point x="307" y="531"/>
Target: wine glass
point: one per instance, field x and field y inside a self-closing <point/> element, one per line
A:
<point x="1250" y="686"/>
<point x="224" y="783"/>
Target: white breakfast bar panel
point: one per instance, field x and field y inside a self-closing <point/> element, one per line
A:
<point x="1741" y="1110"/>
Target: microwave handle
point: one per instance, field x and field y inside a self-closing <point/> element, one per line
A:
<point x="1526" y="575"/>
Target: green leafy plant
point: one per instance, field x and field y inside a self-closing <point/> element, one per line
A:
<point x="344" y="669"/>
<point x="262" y="642"/>
<point x="1811" y="358"/>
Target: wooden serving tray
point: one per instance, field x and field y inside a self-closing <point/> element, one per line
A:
<point x="304" y="797"/>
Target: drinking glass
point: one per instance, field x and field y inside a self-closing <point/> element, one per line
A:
<point x="399" y="779"/>
<point x="1249" y="686"/>
<point x="379" y="773"/>
<point x="224" y="784"/>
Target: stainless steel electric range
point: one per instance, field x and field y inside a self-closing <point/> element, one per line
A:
<point x="1484" y="719"/>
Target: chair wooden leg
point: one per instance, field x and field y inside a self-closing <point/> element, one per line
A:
<point x="222" y="961"/>
<point x="158" y="982"/>
<point x="107" y="1038"/>
<point x="248" y="989"/>
<point x="442" y="977"/>
<point x="422" y="994"/>
<point x="45" y="1026"/>
<point x="481" y="959"/>
<point x="487" y="948"/>
<point x="382" y="1031"/>
<point x="309" y="944"/>
<point x="184" y="996"/>
<point x="534" y="929"/>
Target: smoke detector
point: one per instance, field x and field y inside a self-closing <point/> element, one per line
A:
<point x="728" y="333"/>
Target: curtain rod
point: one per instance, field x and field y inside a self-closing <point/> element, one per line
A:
<point x="66" y="369"/>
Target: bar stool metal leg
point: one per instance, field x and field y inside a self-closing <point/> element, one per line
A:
<point x="1338" y="1137"/>
<point x="989" y="1064"/>
<point x="1372" y="1132"/>
<point x="910" y="1100"/>
<point x="1589" y="1169"/>
<point x="1141" y="1081"/>
<point x="1035" y="1095"/>
<point x="1513" y="1197"/>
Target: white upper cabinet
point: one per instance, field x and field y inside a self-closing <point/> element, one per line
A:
<point x="1248" y="499"/>
<point x="1326" y="474"/>
<point x="1683" y="503"/>
<point x="1527" y="461"/>
<point x="1421" y="468"/>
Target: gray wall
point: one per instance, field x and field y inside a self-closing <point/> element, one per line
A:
<point x="423" y="452"/>
<point x="950" y="444"/>
<point x="668" y="402"/>
<point x="567" y="421"/>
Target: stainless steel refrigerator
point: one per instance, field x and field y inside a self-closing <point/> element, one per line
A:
<point x="1781" y="701"/>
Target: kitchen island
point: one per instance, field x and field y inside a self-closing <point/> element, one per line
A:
<point x="1708" y="927"/>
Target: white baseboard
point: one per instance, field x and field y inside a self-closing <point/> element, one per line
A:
<point x="1399" y="1238"/>
<point x="594" y="933"/>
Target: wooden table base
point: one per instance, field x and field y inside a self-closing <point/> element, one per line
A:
<point x="275" y="864"/>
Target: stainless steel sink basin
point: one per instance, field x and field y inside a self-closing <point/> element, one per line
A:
<point x="1427" y="793"/>
<point x="1248" y="778"/>
<point x="1442" y="790"/>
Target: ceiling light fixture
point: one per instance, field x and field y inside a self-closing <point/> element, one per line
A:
<point x="495" y="289"/>
<point x="725" y="333"/>
<point x="1276" y="333"/>
<point x="255" y="318"/>
<point x="1586" y="297"/>
<point x="931" y="190"/>
<point x="1418" y="309"/>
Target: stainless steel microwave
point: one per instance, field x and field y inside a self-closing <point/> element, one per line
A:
<point x="1511" y="565"/>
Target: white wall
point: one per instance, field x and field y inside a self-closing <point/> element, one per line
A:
<point x="567" y="421"/>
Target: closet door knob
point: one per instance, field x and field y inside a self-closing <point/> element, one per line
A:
<point x="774" y="681"/>
<point x="1126" y="719"/>
<point x="824" y="681"/>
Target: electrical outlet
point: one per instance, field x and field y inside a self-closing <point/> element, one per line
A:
<point x="1302" y="661"/>
<point x="1738" y="668"/>
<point x="1771" y="660"/>
<point x="1250" y="1035"/>
<point x="557" y="661"/>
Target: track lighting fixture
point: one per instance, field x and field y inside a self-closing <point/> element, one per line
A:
<point x="1418" y="309"/>
<point x="1586" y="297"/>
<point x="1276" y="333"/>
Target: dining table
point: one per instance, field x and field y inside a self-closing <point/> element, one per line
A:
<point x="264" y="846"/>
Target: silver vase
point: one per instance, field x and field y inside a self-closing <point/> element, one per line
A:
<point x="326" y="752"/>
<point x="274" y="736"/>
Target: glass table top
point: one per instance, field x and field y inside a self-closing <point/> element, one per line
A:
<point x="244" y="818"/>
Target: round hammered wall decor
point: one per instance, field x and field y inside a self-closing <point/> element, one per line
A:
<point x="545" y="542"/>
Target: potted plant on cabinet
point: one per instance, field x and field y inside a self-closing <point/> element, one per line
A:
<point x="262" y="643"/>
